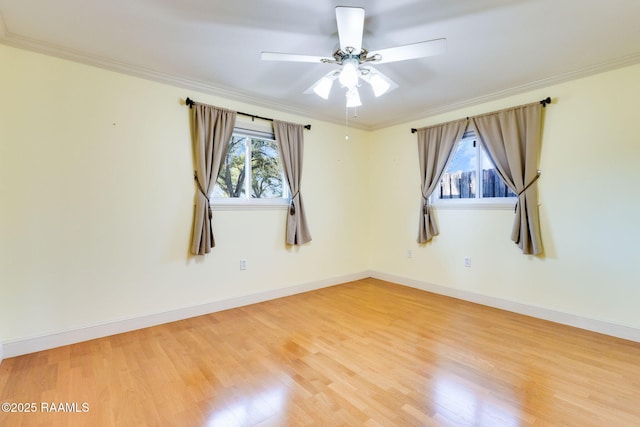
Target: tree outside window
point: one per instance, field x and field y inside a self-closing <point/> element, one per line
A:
<point x="251" y="170"/>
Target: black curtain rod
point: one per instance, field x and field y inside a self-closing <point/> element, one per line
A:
<point x="544" y="103"/>
<point x="190" y="102"/>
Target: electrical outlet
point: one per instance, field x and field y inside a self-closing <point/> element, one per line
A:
<point x="409" y="253"/>
<point x="243" y="264"/>
<point x="467" y="262"/>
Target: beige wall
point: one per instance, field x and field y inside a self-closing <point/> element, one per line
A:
<point x="96" y="187"/>
<point x="96" y="192"/>
<point x="590" y="208"/>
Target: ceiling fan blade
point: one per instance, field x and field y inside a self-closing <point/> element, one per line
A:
<point x="410" y="51"/>
<point x="291" y="57"/>
<point x="350" y="27"/>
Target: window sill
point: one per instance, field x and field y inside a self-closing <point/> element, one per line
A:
<point x="248" y="205"/>
<point x="475" y="204"/>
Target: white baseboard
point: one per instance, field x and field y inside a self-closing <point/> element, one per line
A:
<point x="44" y="342"/>
<point x="30" y="345"/>
<point x="594" y="325"/>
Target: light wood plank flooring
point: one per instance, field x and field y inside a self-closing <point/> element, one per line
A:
<point x="366" y="353"/>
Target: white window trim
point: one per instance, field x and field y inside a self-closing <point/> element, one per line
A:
<point x="478" y="204"/>
<point x="249" y="204"/>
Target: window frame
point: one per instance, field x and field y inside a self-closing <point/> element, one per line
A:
<point x="478" y="202"/>
<point x="252" y="130"/>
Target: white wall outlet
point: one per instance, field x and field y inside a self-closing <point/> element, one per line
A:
<point x="409" y="253"/>
<point x="467" y="262"/>
<point x="243" y="264"/>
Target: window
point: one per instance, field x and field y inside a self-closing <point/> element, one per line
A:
<point x="251" y="174"/>
<point x="472" y="177"/>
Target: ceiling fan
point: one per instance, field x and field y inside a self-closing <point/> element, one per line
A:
<point x="355" y="61"/>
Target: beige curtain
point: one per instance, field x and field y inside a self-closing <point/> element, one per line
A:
<point x="435" y="147"/>
<point x="512" y="139"/>
<point x="290" y="138"/>
<point x="211" y="131"/>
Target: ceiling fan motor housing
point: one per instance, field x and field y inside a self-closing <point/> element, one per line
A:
<point x="340" y="56"/>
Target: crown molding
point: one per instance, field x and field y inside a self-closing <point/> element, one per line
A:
<point x="39" y="46"/>
<point x="602" y="67"/>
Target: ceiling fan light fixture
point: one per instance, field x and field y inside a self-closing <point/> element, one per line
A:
<point x="353" y="98"/>
<point x="323" y="87"/>
<point x="349" y="73"/>
<point x="379" y="84"/>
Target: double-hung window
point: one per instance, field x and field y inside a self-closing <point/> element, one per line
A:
<point x="471" y="179"/>
<point x="251" y="174"/>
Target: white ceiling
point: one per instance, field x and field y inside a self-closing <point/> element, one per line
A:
<point x="495" y="47"/>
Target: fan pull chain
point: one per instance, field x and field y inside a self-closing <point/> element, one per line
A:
<point x="346" y="114"/>
<point x="346" y="118"/>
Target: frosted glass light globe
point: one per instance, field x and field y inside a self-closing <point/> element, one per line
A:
<point x="349" y="74"/>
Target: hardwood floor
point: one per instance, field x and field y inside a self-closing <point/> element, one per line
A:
<point x="366" y="353"/>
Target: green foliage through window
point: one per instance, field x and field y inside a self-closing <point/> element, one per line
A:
<point x="251" y="170"/>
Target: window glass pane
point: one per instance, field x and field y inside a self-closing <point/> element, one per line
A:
<point x="492" y="184"/>
<point x="266" y="171"/>
<point x="459" y="179"/>
<point x="230" y="182"/>
<point x="251" y="170"/>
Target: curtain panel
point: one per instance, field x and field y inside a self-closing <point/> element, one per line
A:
<point x="435" y="148"/>
<point x="512" y="138"/>
<point x="212" y="128"/>
<point x="290" y="139"/>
